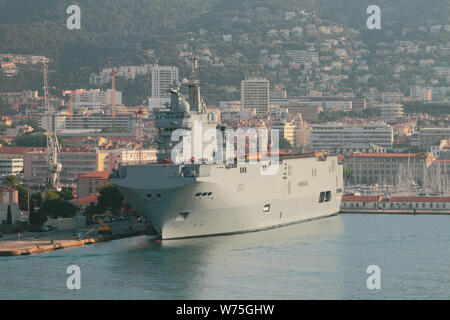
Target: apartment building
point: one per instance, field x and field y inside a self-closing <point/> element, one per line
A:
<point x="95" y="99"/>
<point x="391" y="112"/>
<point x="61" y="121"/>
<point x="340" y="136"/>
<point x="75" y="163"/>
<point x="163" y="79"/>
<point x="308" y="57"/>
<point x="424" y="138"/>
<point x="388" y="168"/>
<point x="255" y="95"/>
<point x="10" y="167"/>
<point x="91" y="183"/>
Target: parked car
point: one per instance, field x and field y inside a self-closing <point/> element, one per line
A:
<point x="45" y="229"/>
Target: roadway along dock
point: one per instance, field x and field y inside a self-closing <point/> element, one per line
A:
<point x="34" y="243"/>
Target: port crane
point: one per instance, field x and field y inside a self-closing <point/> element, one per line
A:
<point x="103" y="229"/>
<point x="53" y="147"/>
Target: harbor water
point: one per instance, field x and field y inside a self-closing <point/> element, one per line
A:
<point x="322" y="259"/>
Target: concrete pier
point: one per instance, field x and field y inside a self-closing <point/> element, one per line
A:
<point x="394" y="211"/>
<point x="26" y="247"/>
<point x="33" y="243"/>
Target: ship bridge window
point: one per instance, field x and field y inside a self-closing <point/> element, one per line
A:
<point x="209" y="193"/>
<point x="321" y="197"/>
<point x="328" y="196"/>
<point x="149" y="195"/>
<point x="198" y="194"/>
<point x="158" y="195"/>
<point x="204" y="194"/>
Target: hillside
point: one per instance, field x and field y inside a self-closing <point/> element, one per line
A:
<point x="118" y="32"/>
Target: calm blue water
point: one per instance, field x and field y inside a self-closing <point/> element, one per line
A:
<point x="324" y="259"/>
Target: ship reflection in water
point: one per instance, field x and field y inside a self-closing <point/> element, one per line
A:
<point x="322" y="259"/>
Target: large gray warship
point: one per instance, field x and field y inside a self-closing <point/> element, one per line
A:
<point x="203" y="199"/>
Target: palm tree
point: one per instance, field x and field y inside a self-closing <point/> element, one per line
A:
<point x="9" y="181"/>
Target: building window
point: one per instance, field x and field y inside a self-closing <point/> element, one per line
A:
<point x="328" y="196"/>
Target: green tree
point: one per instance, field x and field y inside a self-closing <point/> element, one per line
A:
<point x="347" y="173"/>
<point x="66" y="195"/>
<point x="9" y="215"/>
<point x="110" y="198"/>
<point x="3" y="143"/>
<point x="51" y="195"/>
<point x="23" y="196"/>
<point x="9" y="181"/>
<point x="30" y="140"/>
<point x="58" y="208"/>
<point x="36" y="199"/>
<point x="285" y="144"/>
<point x="36" y="219"/>
<point x="90" y="211"/>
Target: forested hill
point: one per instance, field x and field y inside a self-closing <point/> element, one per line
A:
<point x="118" y="32"/>
<point x="39" y="26"/>
<point x="396" y="14"/>
<point x="108" y="26"/>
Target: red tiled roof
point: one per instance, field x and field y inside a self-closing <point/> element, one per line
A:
<point x="387" y="155"/>
<point x="15" y="149"/>
<point x="360" y="198"/>
<point x="419" y="199"/>
<point x="93" y="198"/>
<point x="97" y="175"/>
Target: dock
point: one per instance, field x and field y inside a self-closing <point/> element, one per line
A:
<point x="44" y="242"/>
<point x="27" y="247"/>
<point x="394" y="211"/>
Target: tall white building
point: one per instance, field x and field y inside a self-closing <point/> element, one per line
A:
<point x="255" y="95"/>
<point x="162" y="79"/>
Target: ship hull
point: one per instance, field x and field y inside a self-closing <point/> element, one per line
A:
<point x="220" y="204"/>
